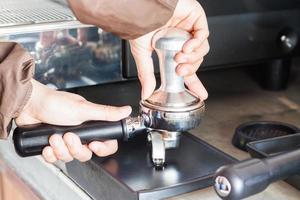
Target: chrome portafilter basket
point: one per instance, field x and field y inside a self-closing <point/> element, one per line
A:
<point x="172" y="109"/>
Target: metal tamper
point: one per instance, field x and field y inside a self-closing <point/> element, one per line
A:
<point x="172" y="108"/>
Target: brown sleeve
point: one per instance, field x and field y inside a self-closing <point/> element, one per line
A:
<point x="16" y="71"/>
<point x="128" y="19"/>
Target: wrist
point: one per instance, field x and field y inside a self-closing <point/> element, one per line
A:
<point x="29" y="113"/>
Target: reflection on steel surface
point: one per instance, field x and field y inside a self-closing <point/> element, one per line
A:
<point x="75" y="57"/>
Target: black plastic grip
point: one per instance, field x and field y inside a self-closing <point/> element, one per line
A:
<point x="30" y="140"/>
<point x="252" y="176"/>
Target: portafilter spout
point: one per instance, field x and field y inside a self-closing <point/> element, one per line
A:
<point x="172" y="108"/>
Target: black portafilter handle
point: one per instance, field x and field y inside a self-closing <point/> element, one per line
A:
<point x="30" y="140"/>
<point x="249" y="177"/>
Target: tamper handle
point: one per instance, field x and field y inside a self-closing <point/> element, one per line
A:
<point x="167" y="43"/>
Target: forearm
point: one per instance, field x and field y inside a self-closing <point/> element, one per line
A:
<point x="16" y="71"/>
<point x="128" y="19"/>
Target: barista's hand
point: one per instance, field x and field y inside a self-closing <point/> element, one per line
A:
<point x="63" y="108"/>
<point x="189" y="16"/>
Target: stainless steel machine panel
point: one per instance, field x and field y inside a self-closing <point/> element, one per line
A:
<point x="67" y="53"/>
<point x="32" y="12"/>
<point x="73" y="57"/>
<point x="29" y="16"/>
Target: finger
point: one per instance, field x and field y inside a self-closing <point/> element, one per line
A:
<point x="142" y="52"/>
<point x="71" y="96"/>
<point x="147" y="78"/>
<point x="92" y="111"/>
<point x="195" y="85"/>
<point x="188" y="20"/>
<point x="199" y="37"/>
<point x="200" y="33"/>
<point x="188" y="69"/>
<point x="105" y="148"/>
<point x="59" y="148"/>
<point x="194" y="56"/>
<point x="48" y="155"/>
<point x="76" y="149"/>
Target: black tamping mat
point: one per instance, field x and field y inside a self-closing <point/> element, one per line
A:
<point x="129" y="174"/>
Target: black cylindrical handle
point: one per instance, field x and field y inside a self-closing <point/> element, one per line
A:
<point x="238" y="181"/>
<point x="30" y="140"/>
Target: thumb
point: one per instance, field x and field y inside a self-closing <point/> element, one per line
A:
<point x="142" y="56"/>
<point x="92" y="111"/>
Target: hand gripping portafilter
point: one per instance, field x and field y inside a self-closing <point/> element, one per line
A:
<point x="168" y="111"/>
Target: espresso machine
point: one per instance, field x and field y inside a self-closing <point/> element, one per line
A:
<point x="157" y="157"/>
